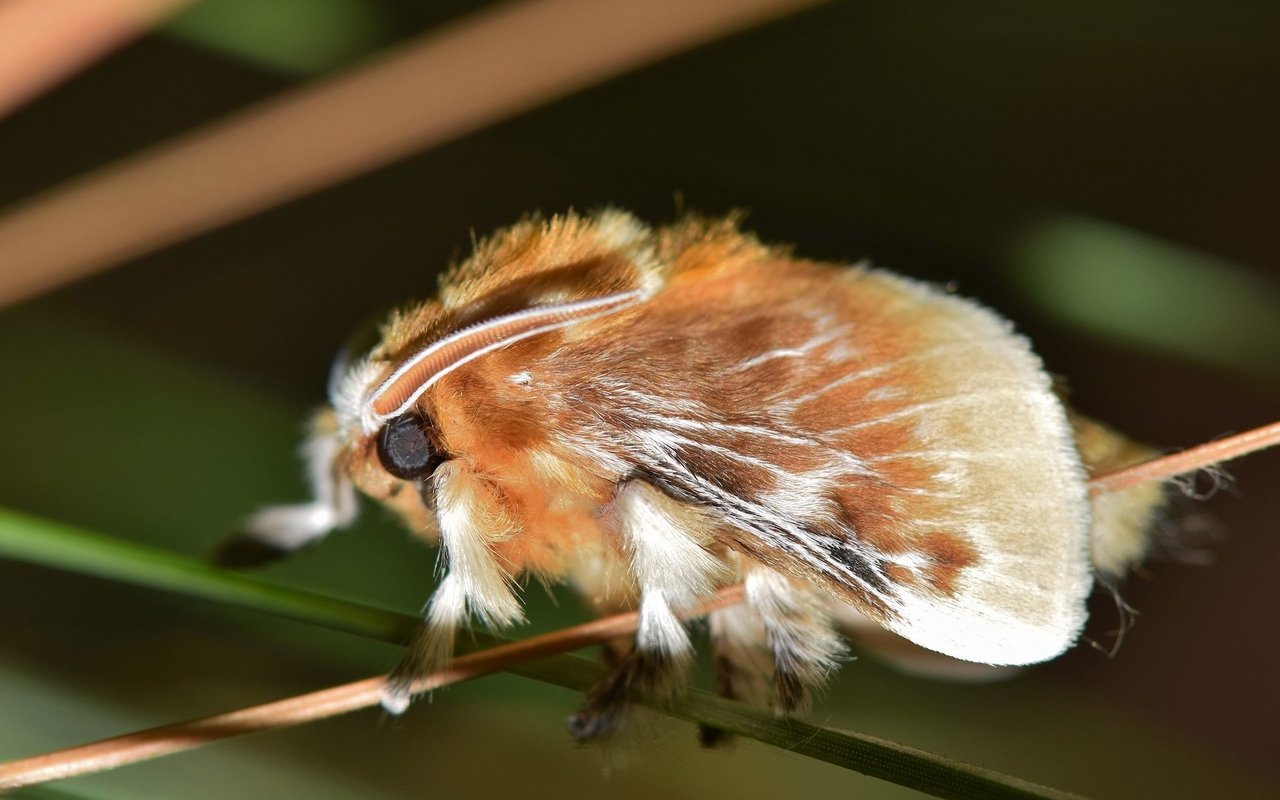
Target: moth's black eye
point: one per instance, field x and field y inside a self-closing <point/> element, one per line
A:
<point x="405" y="450"/>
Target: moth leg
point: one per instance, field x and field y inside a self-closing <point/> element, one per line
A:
<point x="743" y="662"/>
<point x="780" y="644"/>
<point x="667" y="545"/>
<point x="800" y="633"/>
<point x="471" y="519"/>
<point x="603" y="579"/>
<point x="276" y="531"/>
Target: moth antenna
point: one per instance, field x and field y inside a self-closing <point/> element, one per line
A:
<point x="402" y="388"/>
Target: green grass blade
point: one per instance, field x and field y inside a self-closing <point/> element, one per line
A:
<point x="44" y="793"/>
<point x="1124" y="286"/>
<point x="52" y="544"/>
<point x="870" y="755"/>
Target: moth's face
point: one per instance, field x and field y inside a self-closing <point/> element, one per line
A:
<point x="451" y="376"/>
<point x="389" y="460"/>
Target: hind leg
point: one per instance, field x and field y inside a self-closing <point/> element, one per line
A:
<point x="779" y="646"/>
<point x="801" y="636"/>
<point x="743" y="663"/>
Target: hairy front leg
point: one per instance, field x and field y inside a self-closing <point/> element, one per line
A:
<point x="471" y="519"/>
<point x="276" y="531"/>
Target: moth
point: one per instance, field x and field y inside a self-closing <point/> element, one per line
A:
<point x="652" y="413"/>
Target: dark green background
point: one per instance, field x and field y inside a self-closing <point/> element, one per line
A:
<point x="1064" y="162"/>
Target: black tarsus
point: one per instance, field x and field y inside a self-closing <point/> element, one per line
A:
<point x="245" y="551"/>
<point x="641" y="674"/>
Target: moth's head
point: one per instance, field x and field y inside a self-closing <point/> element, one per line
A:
<point x="416" y="390"/>
<point x="538" y="278"/>
<point x="375" y="449"/>
<point x="343" y="453"/>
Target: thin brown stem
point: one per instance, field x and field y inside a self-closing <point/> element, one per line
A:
<point x="43" y="42"/>
<point x="506" y="59"/>
<point x="1205" y="455"/>
<point x="168" y="739"/>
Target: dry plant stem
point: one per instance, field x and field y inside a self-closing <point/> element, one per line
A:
<point x="43" y="42"/>
<point x="1190" y="460"/>
<point x="498" y="63"/>
<point x="155" y="742"/>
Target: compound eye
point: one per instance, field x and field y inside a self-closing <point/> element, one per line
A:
<point x="405" y="449"/>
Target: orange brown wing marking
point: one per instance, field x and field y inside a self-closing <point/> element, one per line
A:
<point x="402" y="388"/>
<point x="742" y="393"/>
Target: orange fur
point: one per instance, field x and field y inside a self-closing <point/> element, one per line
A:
<point x="708" y="398"/>
<point x="726" y="298"/>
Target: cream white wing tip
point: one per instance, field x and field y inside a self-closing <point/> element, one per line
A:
<point x="988" y="638"/>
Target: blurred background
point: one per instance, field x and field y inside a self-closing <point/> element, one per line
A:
<point x="1103" y="174"/>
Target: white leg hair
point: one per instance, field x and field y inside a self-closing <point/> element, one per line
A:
<point x="470" y="520"/>
<point x="800" y="633"/>
<point x="286" y="528"/>
<point x="671" y="564"/>
<point x="782" y="639"/>
<point x="666" y="542"/>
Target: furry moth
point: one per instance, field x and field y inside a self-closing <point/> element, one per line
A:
<point x="652" y="413"/>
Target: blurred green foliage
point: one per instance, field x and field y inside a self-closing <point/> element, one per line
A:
<point x="293" y="36"/>
<point x="1139" y="291"/>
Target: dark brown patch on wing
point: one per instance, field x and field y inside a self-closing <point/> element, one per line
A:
<point x="949" y="555"/>
<point x="873" y="513"/>
<point x="730" y="474"/>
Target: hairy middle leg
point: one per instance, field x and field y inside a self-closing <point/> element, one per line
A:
<point x="667" y="545"/>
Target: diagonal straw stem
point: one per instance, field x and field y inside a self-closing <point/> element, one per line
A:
<point x="43" y="42"/>
<point x="1195" y="458"/>
<point x="165" y="740"/>
<point x="504" y="60"/>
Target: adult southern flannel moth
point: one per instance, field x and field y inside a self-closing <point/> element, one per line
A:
<point x="651" y="414"/>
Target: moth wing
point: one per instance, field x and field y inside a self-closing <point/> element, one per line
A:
<point x="899" y="445"/>
<point x="884" y="645"/>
